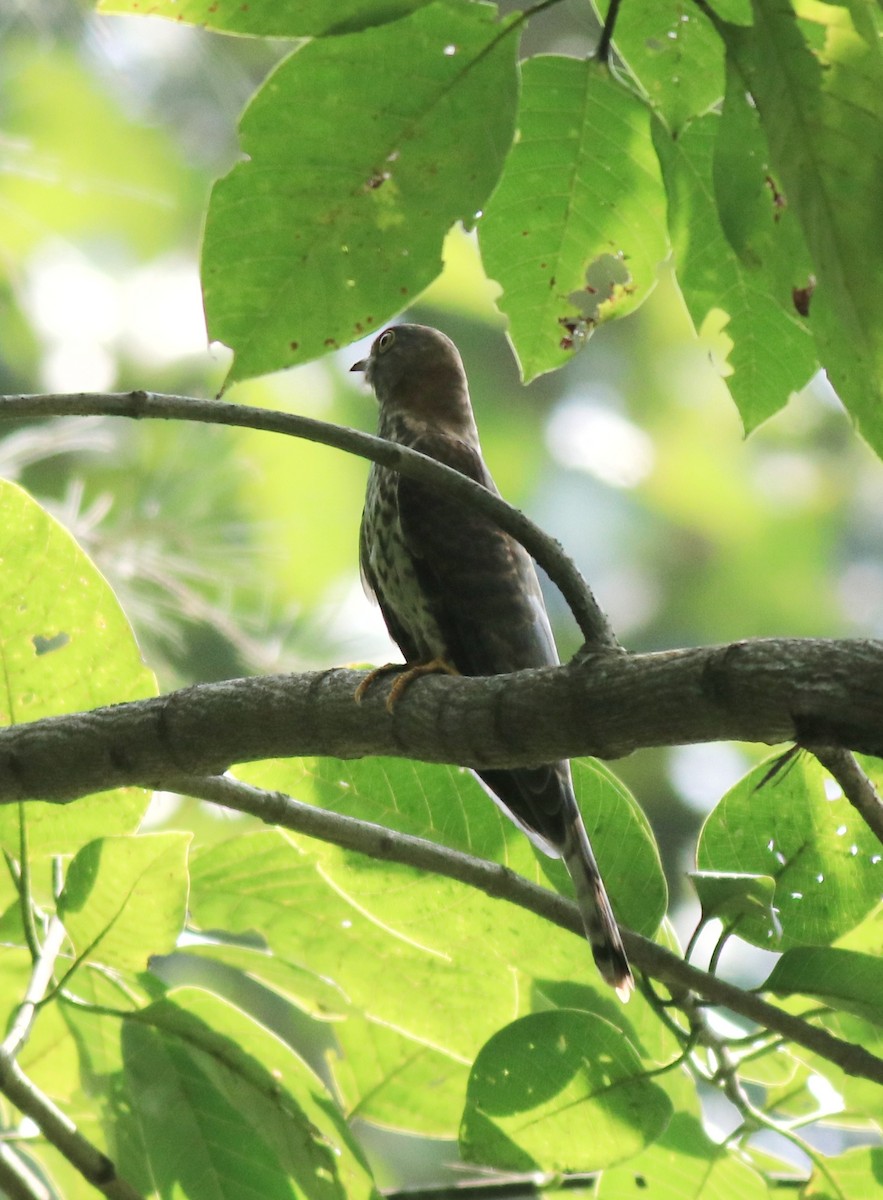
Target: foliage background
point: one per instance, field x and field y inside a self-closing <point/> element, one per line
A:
<point x="234" y="552"/>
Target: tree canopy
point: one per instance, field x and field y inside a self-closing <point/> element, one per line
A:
<point x="259" y="940"/>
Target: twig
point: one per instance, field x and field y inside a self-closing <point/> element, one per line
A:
<point x="17" y="1180"/>
<point x="58" y="1129"/>
<point x="494" y="880"/>
<point x="38" y="984"/>
<point x="602" y="53"/>
<point x="136" y="405"/>
<point x="55" y="1126"/>
<point x="857" y="787"/>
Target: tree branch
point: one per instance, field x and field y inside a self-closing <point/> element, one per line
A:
<point x="606" y="705"/>
<point x="58" y="1129"/>
<point x="17" y="1180"/>
<point x="136" y="405"/>
<point x="857" y="787"/>
<point x="55" y="1126"/>
<point x="497" y="881"/>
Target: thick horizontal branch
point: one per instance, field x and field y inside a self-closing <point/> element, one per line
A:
<point x="607" y="704"/>
<point x="138" y="405"/>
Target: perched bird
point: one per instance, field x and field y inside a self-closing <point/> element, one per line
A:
<point x="460" y="595"/>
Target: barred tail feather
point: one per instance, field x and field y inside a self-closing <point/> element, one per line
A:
<point x="599" y="922"/>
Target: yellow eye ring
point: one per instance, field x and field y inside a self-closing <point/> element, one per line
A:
<point x="385" y="340"/>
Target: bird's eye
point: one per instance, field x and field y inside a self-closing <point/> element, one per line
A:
<point x="385" y="340"/>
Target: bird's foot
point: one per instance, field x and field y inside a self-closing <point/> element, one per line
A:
<point x="407" y="673"/>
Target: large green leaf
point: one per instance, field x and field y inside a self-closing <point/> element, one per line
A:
<point x="389" y="1079"/>
<point x="675" y="54"/>
<point x="800" y="830"/>
<point x="842" y="978"/>
<point x="559" y="1091"/>
<point x="219" y="1097"/>
<point x="447" y="805"/>
<point x="683" y="1164"/>
<point x="748" y="286"/>
<point x="125" y="898"/>
<point x="821" y="106"/>
<point x="65" y="645"/>
<point x="337" y="214"/>
<point x="384" y="933"/>
<point x="271" y="18"/>
<point x="576" y="228"/>
<point x="856" y="1172"/>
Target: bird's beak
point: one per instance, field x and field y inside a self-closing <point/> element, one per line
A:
<point x="361" y="365"/>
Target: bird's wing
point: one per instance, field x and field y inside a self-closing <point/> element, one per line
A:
<point x="480" y="583"/>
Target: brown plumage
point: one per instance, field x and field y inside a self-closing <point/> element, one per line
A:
<point x="458" y="593"/>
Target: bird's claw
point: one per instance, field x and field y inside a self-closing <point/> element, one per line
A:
<point x="407" y="673"/>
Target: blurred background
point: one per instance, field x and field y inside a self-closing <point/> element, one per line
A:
<point x="235" y="552"/>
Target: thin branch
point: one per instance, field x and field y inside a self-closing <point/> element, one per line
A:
<point x="38" y="984"/>
<point x="499" y="882"/>
<point x="136" y="405"/>
<point x="55" y="1126"/>
<point x="602" y="53"/>
<point x="857" y="787"/>
<point x="61" y="1132"/>
<point x="17" y="1180"/>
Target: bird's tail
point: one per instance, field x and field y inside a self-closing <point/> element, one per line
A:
<point x="594" y="906"/>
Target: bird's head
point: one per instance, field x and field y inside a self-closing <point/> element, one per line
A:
<point x="417" y="371"/>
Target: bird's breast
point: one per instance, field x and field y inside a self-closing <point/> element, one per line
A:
<point x="393" y="571"/>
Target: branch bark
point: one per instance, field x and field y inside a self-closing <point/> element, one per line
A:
<point x="607" y="704"/>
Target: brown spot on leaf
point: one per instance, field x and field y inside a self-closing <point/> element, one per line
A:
<point x="801" y="296"/>
<point x="331" y="343"/>
<point x="294" y="345"/>
<point x="378" y="179"/>
<point x="779" y="201"/>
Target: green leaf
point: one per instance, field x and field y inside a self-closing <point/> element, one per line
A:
<point x="799" y="829"/>
<point x="728" y="895"/>
<point x="822" y="110"/>
<point x="219" y="1097"/>
<point x="337" y="215"/>
<point x="675" y="53"/>
<point x="65" y="645"/>
<point x="843" y="978"/>
<point x="125" y="898"/>
<point x="856" y="1172"/>
<point x="390" y="1080"/>
<point x="448" y="806"/>
<point x="559" y="1091"/>
<point x="576" y="228"/>
<point x="684" y="1164"/>
<point x="747" y="290"/>
<point x="272" y="18"/>
<point x="317" y="996"/>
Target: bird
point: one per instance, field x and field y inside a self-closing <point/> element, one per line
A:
<point x="460" y="595"/>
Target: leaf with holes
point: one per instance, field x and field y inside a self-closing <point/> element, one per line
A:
<point x="559" y="1091"/>
<point x="575" y="231"/>
<point x="800" y="829"/>
<point x="336" y="216"/>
